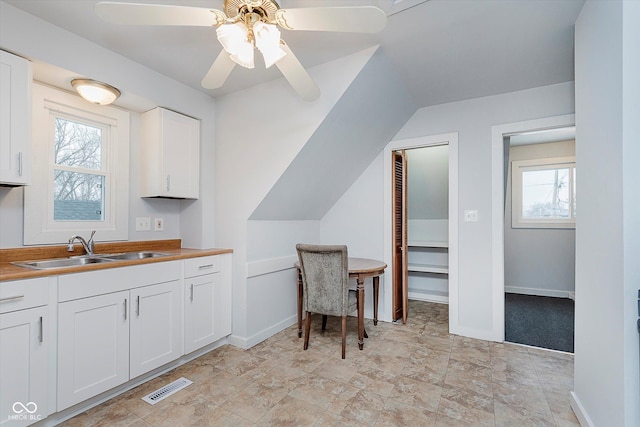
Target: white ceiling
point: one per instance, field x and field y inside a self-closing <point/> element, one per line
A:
<point x="445" y="50"/>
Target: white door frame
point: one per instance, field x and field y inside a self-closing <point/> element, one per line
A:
<point x="451" y="139"/>
<point x="498" y="133"/>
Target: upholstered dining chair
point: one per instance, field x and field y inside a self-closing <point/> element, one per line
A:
<point x="325" y="281"/>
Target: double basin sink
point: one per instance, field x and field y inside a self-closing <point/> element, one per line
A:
<point x="77" y="261"/>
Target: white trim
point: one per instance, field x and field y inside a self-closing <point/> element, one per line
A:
<point x="272" y="265"/>
<point x="39" y="228"/>
<point x="452" y="140"/>
<point x="246" y="343"/>
<point x="580" y="412"/>
<point x="518" y="167"/>
<point x="497" y="207"/>
<point x="418" y="296"/>
<point x="538" y="292"/>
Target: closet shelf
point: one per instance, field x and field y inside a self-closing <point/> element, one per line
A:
<point x="427" y="244"/>
<point x="428" y="268"/>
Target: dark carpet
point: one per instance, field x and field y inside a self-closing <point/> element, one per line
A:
<point x="544" y="322"/>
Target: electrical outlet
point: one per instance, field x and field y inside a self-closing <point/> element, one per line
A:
<point x="143" y="223"/>
<point x="158" y="224"/>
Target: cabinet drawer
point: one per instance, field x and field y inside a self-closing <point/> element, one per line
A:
<point x="200" y="266"/>
<point x="21" y="294"/>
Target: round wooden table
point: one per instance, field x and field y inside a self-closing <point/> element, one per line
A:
<point x="360" y="269"/>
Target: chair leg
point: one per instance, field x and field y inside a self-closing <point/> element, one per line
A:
<point x="344" y="335"/>
<point x="307" y="329"/>
<point x="324" y="322"/>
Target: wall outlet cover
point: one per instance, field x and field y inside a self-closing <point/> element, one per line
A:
<point x="158" y="224"/>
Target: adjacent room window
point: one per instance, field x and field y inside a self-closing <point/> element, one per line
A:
<point x="544" y="193"/>
<point x="81" y="170"/>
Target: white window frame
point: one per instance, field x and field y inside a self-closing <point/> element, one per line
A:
<point x="39" y="226"/>
<point x="520" y="166"/>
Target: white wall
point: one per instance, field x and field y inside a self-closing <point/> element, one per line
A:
<point x="607" y="384"/>
<point x="538" y="261"/>
<point x="40" y="41"/>
<point x="472" y="119"/>
<point x="251" y="155"/>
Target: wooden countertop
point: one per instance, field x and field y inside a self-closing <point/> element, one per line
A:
<point x="173" y="248"/>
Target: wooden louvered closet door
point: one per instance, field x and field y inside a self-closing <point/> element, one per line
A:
<point x="400" y="272"/>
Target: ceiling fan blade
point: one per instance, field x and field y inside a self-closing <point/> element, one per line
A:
<point x="158" y="14"/>
<point x="219" y="71"/>
<point x="294" y="72"/>
<point x="355" y="19"/>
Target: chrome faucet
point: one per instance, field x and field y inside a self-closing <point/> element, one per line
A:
<point x="87" y="245"/>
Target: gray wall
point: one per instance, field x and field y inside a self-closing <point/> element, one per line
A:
<point x="607" y="374"/>
<point x="538" y="261"/>
<point x="428" y="182"/>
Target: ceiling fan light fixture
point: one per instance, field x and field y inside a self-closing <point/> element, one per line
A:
<point x="267" y="38"/>
<point x="95" y="92"/>
<point x="244" y="55"/>
<point x="234" y="38"/>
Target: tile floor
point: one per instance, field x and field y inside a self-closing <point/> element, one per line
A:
<point x="407" y="375"/>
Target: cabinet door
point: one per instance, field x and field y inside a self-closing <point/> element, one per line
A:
<point x="24" y="363"/>
<point x="156" y="326"/>
<point x="93" y="346"/>
<point x="170" y="154"/>
<point x="180" y="155"/>
<point x="15" y="119"/>
<point x="199" y="311"/>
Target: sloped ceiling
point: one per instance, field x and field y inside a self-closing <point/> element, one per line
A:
<point x="371" y="111"/>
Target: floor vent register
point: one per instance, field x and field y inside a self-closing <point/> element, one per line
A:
<point x="166" y="391"/>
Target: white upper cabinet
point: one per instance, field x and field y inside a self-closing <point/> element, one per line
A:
<point x="15" y="120"/>
<point x="170" y="155"/>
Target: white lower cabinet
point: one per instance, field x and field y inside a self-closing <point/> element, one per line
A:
<point x="106" y="340"/>
<point x="24" y="358"/>
<point x="207" y="300"/>
<point x="93" y="346"/>
<point x="156" y="326"/>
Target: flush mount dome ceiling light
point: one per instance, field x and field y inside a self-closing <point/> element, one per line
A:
<point x="95" y="92"/>
<point x="248" y="24"/>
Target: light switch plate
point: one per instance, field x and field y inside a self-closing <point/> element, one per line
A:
<point x="471" y="215"/>
<point x="143" y="223"/>
<point x="158" y="224"/>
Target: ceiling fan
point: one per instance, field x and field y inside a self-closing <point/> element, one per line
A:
<point x="247" y="24"/>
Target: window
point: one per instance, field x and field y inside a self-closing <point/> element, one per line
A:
<point x="544" y="193"/>
<point x="81" y="170"/>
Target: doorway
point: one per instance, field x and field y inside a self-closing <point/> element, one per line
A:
<point x="427" y="243"/>
<point x="500" y="162"/>
<point x="539" y="238"/>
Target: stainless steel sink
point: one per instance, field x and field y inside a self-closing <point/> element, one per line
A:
<point x="61" y="262"/>
<point x="132" y="256"/>
<point x="76" y="261"/>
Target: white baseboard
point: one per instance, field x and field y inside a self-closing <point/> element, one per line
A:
<point x="248" y="342"/>
<point x="539" y="292"/>
<point x="419" y="296"/>
<point x="580" y="412"/>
